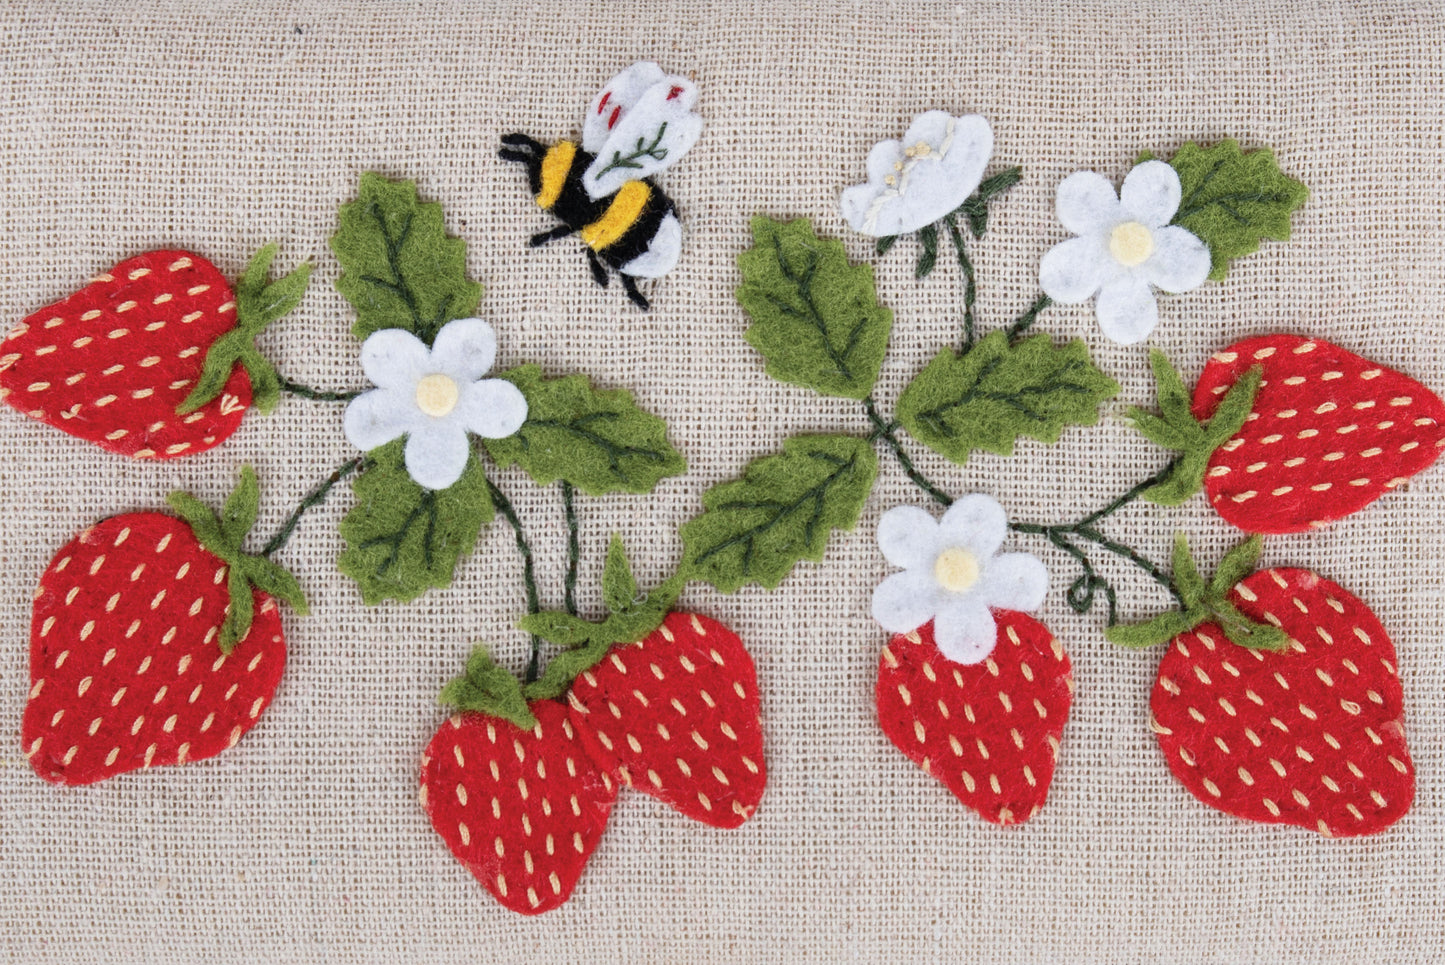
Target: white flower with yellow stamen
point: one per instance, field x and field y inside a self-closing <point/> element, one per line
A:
<point x="435" y="397"/>
<point x="916" y="181"/>
<point x="954" y="575"/>
<point x="1125" y="248"/>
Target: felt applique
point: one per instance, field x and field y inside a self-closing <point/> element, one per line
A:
<point x="954" y="576"/>
<point x="640" y="124"/>
<point x="1170" y="227"/>
<point x="915" y="182"/>
<point x="1279" y="698"/>
<point x="435" y="397"/>
<point x="155" y="640"/>
<point x="818" y="322"/>
<point x="1321" y="434"/>
<point x="153" y="359"/>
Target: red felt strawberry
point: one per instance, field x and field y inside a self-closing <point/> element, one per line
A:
<point x="1325" y="434"/>
<point x="154" y="358"/>
<point x="989" y="731"/>
<point x="522" y="808"/>
<point x="677" y="716"/>
<point x="1279" y="700"/>
<point x="154" y="641"/>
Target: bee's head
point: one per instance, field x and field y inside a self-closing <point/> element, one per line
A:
<point x="529" y="151"/>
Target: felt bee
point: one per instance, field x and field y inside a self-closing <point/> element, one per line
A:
<point x="638" y="125"/>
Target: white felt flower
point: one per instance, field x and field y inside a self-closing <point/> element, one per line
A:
<point x="916" y="181"/>
<point x="1125" y="248"/>
<point x="435" y="397"/>
<point x="953" y="574"/>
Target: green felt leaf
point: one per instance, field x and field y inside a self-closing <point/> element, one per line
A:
<point x="400" y="269"/>
<point x="273" y="580"/>
<point x="238" y="513"/>
<point x="259" y="302"/>
<point x="1234" y="199"/>
<point x="619" y="588"/>
<point x="240" y="613"/>
<point x="754" y="529"/>
<point x="598" y="440"/>
<point x="997" y="393"/>
<point x="1236" y="564"/>
<point x="1186" y="574"/>
<point x="815" y="318"/>
<point x="403" y="540"/>
<point x="488" y="689"/>
<point x="1137" y="636"/>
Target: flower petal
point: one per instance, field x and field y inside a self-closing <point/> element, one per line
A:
<point x="1126" y="309"/>
<point x="964" y="630"/>
<point x="925" y="188"/>
<point x="465" y="349"/>
<point x="930" y="127"/>
<point x="1072" y="271"/>
<point x="1014" y="581"/>
<point x="492" y="408"/>
<point x="908" y="537"/>
<point x="436" y="454"/>
<point x="375" y="418"/>
<point x="1180" y="261"/>
<point x="905" y="601"/>
<point x="1086" y="203"/>
<point x="394" y="358"/>
<point x="1150" y="194"/>
<point x="975" y="522"/>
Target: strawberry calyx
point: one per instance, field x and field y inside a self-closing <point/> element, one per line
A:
<point x="1206" y="602"/>
<point x="632" y="615"/>
<point x="1177" y="429"/>
<point x="222" y="536"/>
<point x="259" y="302"/>
<point x="485" y="688"/>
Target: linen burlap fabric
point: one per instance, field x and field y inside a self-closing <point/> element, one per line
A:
<point x="219" y="127"/>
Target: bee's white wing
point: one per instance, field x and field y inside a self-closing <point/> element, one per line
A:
<point x="646" y="136"/>
<point x="615" y="100"/>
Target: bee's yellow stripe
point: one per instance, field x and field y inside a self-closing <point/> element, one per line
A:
<point x="621" y="214"/>
<point x="554" y="172"/>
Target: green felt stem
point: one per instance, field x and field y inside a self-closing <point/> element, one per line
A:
<point x="574" y="550"/>
<point x="887" y="432"/>
<point x="529" y="574"/>
<point x="259" y="302"/>
<point x="222" y="536"/>
<point x="970" y="281"/>
<point x="316" y="496"/>
<point x="292" y="387"/>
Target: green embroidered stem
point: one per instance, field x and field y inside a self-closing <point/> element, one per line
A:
<point x="886" y="432"/>
<point x="1030" y="315"/>
<point x="574" y="550"/>
<point x="529" y="575"/>
<point x="630" y="160"/>
<point x="312" y="498"/>
<point x="970" y="282"/>
<point x="316" y="395"/>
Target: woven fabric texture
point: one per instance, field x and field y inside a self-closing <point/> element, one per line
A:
<point x="219" y="126"/>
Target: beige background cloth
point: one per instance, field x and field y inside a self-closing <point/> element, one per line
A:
<point x="220" y="126"/>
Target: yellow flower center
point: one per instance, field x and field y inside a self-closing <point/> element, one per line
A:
<point x="437" y="394"/>
<point x="1131" y="243"/>
<point x="956" y="569"/>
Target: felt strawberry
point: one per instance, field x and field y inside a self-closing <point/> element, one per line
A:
<point x="154" y="641"/>
<point x="154" y="358"/>
<point x="518" y="801"/>
<point x="677" y="716"/>
<point x="1325" y="434"/>
<point x="1279" y="698"/>
<point x="988" y="731"/>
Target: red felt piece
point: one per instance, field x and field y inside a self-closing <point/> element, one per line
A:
<point x="111" y="363"/>
<point x="677" y="716"/>
<point x="989" y="731"/>
<point x="522" y="810"/>
<point x="1313" y="736"/>
<point x="1330" y="433"/>
<point x="125" y="669"/>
